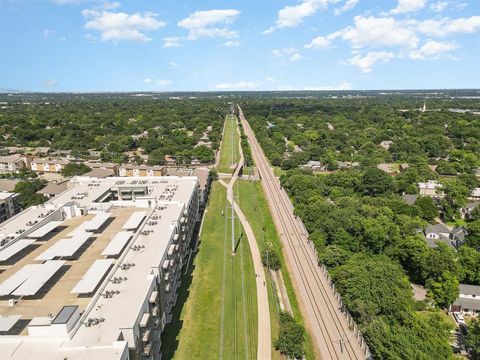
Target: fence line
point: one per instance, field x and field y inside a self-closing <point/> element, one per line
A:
<point x="351" y="322"/>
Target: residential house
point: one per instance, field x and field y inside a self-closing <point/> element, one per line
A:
<point x="195" y="162"/>
<point x="206" y="143"/>
<point x="54" y="188"/>
<point x="12" y="163"/>
<point x="347" y="164"/>
<point x="8" y="205"/>
<point x="170" y="160"/>
<point x="8" y="185"/>
<point x="46" y="165"/>
<point x="430" y="188"/>
<point x="99" y="173"/>
<point x="439" y="233"/>
<point x="475" y="195"/>
<point x="103" y="165"/>
<point x="130" y="170"/>
<point x="466" y="211"/>
<point x="390" y="169"/>
<point x="468" y="300"/>
<point x="314" y="166"/>
<point x="386" y="144"/>
<point x="410" y="198"/>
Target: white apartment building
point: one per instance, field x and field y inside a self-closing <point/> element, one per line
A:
<point x="93" y="273"/>
<point x="11" y="163"/>
<point x="130" y="170"/>
<point x="45" y="165"/>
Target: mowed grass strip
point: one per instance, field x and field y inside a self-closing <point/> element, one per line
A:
<point x="224" y="165"/>
<point x="255" y="207"/>
<point x="199" y="322"/>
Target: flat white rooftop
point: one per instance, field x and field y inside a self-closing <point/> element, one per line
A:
<point x="45" y="229"/>
<point x="117" y="244"/>
<point x="152" y="216"/>
<point x="135" y="220"/>
<point x="92" y="277"/>
<point x="14" y="249"/>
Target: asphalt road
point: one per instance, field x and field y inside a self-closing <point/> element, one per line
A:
<point x="324" y="320"/>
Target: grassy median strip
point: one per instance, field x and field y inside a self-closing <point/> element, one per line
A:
<point x="195" y="332"/>
<point x="229" y="153"/>
<point x="254" y="205"/>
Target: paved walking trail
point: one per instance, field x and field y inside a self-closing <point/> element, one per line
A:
<point x="264" y="349"/>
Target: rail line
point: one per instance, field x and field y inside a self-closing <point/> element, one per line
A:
<point x="333" y="337"/>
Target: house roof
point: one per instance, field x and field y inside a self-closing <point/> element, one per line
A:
<point x="100" y="173"/>
<point x="469" y="289"/>
<point x="470" y="304"/>
<point x="202" y="175"/>
<point x="54" y="188"/>
<point x="409" y="198"/>
<point x="7" y="184"/>
<point x="437" y="229"/>
<point x="11" y="158"/>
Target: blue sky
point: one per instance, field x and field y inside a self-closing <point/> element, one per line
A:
<point x="159" y="45"/>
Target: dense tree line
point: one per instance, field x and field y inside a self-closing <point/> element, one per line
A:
<point x="113" y="124"/>
<point x="294" y="131"/>
<point x="369" y="239"/>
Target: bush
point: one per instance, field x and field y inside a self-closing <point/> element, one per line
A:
<point x="290" y="337"/>
<point x="270" y="257"/>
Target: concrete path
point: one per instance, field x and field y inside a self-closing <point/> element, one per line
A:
<point x="264" y="348"/>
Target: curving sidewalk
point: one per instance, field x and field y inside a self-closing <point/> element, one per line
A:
<point x="264" y="348"/>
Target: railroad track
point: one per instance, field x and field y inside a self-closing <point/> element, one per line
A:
<point x="322" y="312"/>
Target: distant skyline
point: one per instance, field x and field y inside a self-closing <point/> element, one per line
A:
<point x="155" y="45"/>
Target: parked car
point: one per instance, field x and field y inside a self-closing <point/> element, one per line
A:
<point x="459" y="317"/>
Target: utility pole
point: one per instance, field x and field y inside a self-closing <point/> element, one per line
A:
<point x="233" y="225"/>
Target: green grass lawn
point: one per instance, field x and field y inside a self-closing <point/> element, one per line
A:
<point x="226" y="156"/>
<point x="196" y="332"/>
<point x="254" y="205"/>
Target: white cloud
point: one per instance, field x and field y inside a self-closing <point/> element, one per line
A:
<point x="118" y="26"/>
<point x="49" y="83"/>
<point x="432" y="50"/>
<point x="323" y="42"/>
<point x="293" y="15"/>
<point x="156" y="82"/>
<point x="173" y="64"/>
<point x="342" y="86"/>
<point x="439" y="6"/>
<point x="379" y="31"/>
<point x="366" y="62"/>
<point x="349" y="5"/>
<point x="241" y="85"/>
<point x="406" y="6"/>
<point x="232" y="43"/>
<point x="172" y="41"/>
<point x="291" y="54"/>
<point x="210" y="23"/>
<point x="270" y="79"/>
<point x="447" y="26"/>
<point x="47" y="33"/>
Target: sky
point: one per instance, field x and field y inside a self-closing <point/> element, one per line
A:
<point x="207" y="45"/>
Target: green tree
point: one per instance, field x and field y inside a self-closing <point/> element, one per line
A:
<point x="373" y="286"/>
<point x="428" y="208"/>
<point x="376" y="182"/>
<point x="73" y="169"/>
<point x="271" y="258"/>
<point x="291" y="337"/>
<point x="443" y="290"/>
<point x="472" y="340"/>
